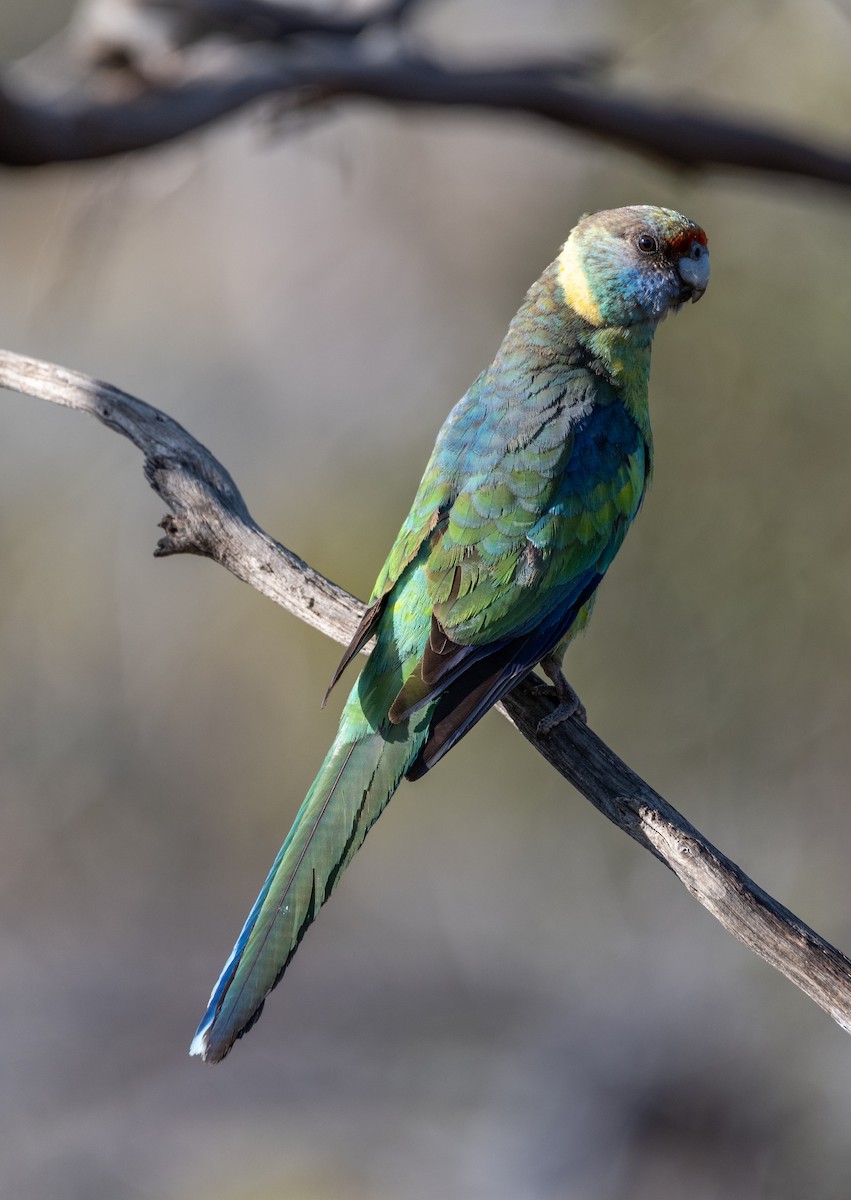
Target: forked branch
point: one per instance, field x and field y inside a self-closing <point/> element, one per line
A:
<point x="208" y="516"/>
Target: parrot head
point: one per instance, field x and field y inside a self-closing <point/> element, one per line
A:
<point x="626" y="266"/>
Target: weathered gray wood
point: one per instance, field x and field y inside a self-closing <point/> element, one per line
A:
<point x="742" y="907"/>
<point x="208" y="516"/>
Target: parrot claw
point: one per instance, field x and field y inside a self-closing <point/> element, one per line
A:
<point x="569" y="703"/>
<point x="567" y="709"/>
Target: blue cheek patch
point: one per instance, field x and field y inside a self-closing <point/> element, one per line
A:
<point x="648" y="291"/>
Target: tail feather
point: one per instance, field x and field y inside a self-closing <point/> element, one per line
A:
<point x="354" y="784"/>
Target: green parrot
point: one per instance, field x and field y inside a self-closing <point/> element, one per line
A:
<point x="536" y="476"/>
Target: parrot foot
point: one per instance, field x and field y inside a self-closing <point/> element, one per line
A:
<point x="569" y="703"/>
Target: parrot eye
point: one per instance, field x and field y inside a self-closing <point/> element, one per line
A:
<point x="646" y="243"/>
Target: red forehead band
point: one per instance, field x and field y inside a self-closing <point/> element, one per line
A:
<point x="682" y="240"/>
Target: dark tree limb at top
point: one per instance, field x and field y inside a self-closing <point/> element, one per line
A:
<point x="181" y="65"/>
<point x="208" y="516"/>
<point x="264" y="20"/>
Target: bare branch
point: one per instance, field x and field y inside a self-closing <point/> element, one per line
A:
<point x="296" y="55"/>
<point x="208" y="516"/>
<point x="753" y="916"/>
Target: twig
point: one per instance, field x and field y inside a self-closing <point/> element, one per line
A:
<point x="209" y="517"/>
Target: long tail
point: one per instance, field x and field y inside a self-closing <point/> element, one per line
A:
<point x="361" y="772"/>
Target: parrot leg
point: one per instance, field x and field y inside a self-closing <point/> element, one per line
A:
<point x="569" y="703"/>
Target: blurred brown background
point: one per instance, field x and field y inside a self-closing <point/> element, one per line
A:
<point x="507" y="999"/>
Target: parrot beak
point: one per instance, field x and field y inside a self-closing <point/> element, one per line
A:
<point x="694" y="271"/>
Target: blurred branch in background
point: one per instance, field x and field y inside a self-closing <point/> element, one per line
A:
<point x="137" y="73"/>
<point x="210" y="518"/>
